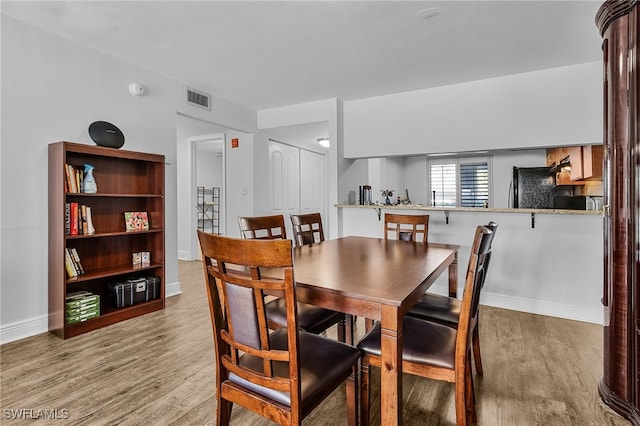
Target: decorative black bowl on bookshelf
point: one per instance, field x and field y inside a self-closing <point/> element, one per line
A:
<point x="106" y="134"/>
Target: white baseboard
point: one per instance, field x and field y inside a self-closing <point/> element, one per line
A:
<point x="38" y="325"/>
<point x="172" y="289"/>
<point x="533" y="306"/>
<point x="542" y="307"/>
<point x="23" y="329"/>
<point x="184" y="255"/>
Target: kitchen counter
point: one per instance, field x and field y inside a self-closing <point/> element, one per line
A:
<point x="468" y="209"/>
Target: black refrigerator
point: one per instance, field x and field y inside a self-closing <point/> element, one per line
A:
<point x="533" y="188"/>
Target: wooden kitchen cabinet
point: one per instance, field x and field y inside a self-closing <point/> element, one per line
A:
<point x="585" y="161"/>
<point x="552" y="155"/>
<point x="575" y="159"/>
<point x="564" y="178"/>
<point x="592" y="162"/>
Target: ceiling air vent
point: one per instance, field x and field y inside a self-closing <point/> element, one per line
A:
<point x="199" y="99"/>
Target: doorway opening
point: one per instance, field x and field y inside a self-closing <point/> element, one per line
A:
<point x="201" y="168"/>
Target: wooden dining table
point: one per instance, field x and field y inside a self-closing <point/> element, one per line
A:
<point x="376" y="279"/>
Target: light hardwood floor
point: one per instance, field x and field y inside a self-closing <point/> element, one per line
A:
<point x="158" y="370"/>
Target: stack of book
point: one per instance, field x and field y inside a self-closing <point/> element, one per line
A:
<point x="81" y="306"/>
<point x="72" y="262"/>
<point x="77" y="219"/>
<point x="74" y="177"/>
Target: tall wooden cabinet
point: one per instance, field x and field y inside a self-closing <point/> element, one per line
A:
<point x="620" y="383"/>
<point x="127" y="182"/>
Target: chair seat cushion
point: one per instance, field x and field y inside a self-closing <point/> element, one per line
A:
<point x="310" y="318"/>
<point x="434" y="307"/>
<point x="423" y="342"/>
<point x="324" y="364"/>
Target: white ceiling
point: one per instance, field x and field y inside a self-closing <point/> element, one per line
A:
<point x="267" y="54"/>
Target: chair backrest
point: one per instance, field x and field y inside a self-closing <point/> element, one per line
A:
<point x="493" y="227"/>
<point x="262" y="227"/>
<point x="307" y="228"/>
<point x="476" y="273"/>
<point x="406" y="227"/>
<point x="234" y="267"/>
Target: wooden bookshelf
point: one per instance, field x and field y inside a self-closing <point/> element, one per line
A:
<point x="127" y="181"/>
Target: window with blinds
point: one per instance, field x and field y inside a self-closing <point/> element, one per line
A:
<point x="459" y="182"/>
<point x="443" y="185"/>
<point x="474" y="184"/>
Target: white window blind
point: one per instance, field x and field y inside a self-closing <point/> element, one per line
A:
<point x="474" y="184"/>
<point x="443" y="185"/>
<point x="459" y="182"/>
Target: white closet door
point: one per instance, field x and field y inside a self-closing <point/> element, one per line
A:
<point x="284" y="175"/>
<point x="312" y="182"/>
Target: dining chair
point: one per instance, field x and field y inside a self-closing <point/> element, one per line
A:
<point x="277" y="374"/>
<point x="262" y="227"/>
<point x="307" y="228"/>
<point x="406" y="227"/>
<point x="446" y="310"/>
<point x="434" y="350"/>
<point x="312" y="319"/>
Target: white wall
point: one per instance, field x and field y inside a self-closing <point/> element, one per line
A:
<point x="209" y="169"/>
<point x="52" y="89"/>
<point x="502" y="162"/>
<point x="239" y="170"/>
<point x="553" y="107"/>
<point x="186" y="195"/>
<point x="554" y="269"/>
<point x="329" y="110"/>
<point x="416" y="179"/>
<point x="184" y="200"/>
<point x="354" y="175"/>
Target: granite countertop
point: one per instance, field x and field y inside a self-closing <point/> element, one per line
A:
<point x="469" y="209"/>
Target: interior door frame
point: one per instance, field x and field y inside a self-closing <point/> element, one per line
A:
<point x="193" y="180"/>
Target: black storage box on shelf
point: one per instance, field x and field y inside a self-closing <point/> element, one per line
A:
<point x="133" y="290"/>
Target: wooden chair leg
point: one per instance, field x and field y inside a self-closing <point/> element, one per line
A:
<point x="352" y="398"/>
<point x="341" y="331"/>
<point x="223" y="412"/>
<point x="365" y="378"/>
<point x="350" y="323"/>
<point x="476" y="350"/>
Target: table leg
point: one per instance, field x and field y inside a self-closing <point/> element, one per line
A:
<point x="391" y="366"/>
<point x="453" y="278"/>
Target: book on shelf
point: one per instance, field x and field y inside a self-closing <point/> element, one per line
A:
<point x="90" y="229"/>
<point x="145" y="258"/>
<point x="70" y="178"/>
<point x="78" y="179"/>
<point x="78" y="220"/>
<point x="67" y="218"/>
<point x="68" y="264"/>
<point x="79" y="299"/>
<point x="141" y="259"/>
<point x="74" y="176"/>
<point x="83" y="219"/>
<point x="136" y="221"/>
<point x="74" y="219"/>
<point x="76" y="258"/>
